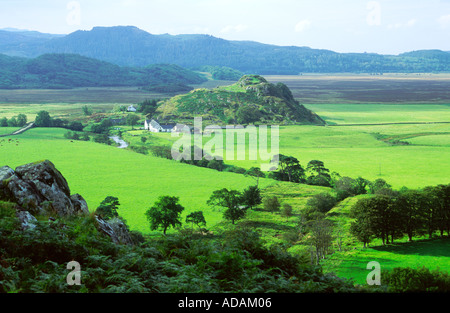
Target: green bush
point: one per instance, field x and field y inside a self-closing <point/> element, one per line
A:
<point x="407" y="280"/>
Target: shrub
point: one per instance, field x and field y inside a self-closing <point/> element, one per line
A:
<point x="415" y="280"/>
<point x="322" y="202"/>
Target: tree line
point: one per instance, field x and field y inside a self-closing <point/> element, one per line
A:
<point x="390" y="215"/>
<point x="15" y="121"/>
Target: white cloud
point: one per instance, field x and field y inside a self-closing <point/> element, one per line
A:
<point x="234" y="28"/>
<point x="302" y="26"/>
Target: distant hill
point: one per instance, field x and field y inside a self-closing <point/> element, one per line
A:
<point x="252" y="100"/>
<point x="60" y="71"/>
<point x="131" y="46"/>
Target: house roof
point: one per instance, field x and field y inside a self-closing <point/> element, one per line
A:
<point x="155" y="124"/>
<point x="167" y="126"/>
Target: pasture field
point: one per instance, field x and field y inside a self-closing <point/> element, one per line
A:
<point x="355" y="151"/>
<point x="432" y="254"/>
<point x="96" y="171"/>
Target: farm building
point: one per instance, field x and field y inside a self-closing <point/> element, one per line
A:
<point x="131" y="108"/>
<point x="155" y="127"/>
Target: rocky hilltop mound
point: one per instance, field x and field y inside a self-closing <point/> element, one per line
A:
<point x="252" y="100"/>
<point x="39" y="189"/>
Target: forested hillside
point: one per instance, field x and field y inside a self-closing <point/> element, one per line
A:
<point x="55" y="71"/>
<point x="130" y="46"/>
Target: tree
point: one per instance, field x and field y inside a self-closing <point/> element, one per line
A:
<point x="361" y="227"/>
<point x="108" y="208"/>
<point x="411" y="205"/>
<point x="318" y="174"/>
<point x="215" y="164"/>
<point x="321" y="238"/>
<point x="75" y="126"/>
<point x="132" y="120"/>
<point x="21" y="120"/>
<point x="255" y="173"/>
<point x="376" y="216"/>
<point x="322" y="202"/>
<point x="251" y="196"/>
<point x="43" y="119"/>
<point x="229" y="199"/>
<point x="439" y="198"/>
<point x="165" y="213"/>
<point x="148" y="107"/>
<point x="286" y="211"/>
<point x="103" y="138"/>
<point x="272" y="204"/>
<point x="87" y="110"/>
<point x="361" y="185"/>
<point x="12" y="122"/>
<point x="290" y="169"/>
<point x="377" y="185"/>
<point x="3" y="122"/>
<point x="196" y="218"/>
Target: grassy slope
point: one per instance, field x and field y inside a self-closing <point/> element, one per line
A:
<point x="96" y="171"/>
<point x="346" y="150"/>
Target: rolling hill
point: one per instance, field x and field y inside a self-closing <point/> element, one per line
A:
<point x="60" y="71"/>
<point x="251" y="100"/>
<point x="131" y="46"/>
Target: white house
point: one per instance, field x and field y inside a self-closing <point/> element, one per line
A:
<point x="155" y="127"/>
<point x="131" y="108"/>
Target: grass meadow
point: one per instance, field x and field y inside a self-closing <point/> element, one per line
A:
<point x="355" y="151"/>
<point x="96" y="171"/>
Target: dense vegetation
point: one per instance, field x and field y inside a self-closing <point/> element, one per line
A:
<point x="221" y="72"/>
<point x="130" y="46"/>
<point x="60" y="71"/>
<point x="234" y="260"/>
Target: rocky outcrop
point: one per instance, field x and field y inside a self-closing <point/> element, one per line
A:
<point x="115" y="229"/>
<point x="39" y="188"/>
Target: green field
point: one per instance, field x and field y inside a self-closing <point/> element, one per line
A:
<point x="433" y="254"/>
<point x="355" y="151"/>
<point x="96" y="171"/>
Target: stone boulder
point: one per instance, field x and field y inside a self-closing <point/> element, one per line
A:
<point x="115" y="229"/>
<point x="40" y="186"/>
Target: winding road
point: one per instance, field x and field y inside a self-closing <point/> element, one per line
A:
<point x="19" y="131"/>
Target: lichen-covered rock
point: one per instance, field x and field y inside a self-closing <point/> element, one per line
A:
<point x="115" y="229"/>
<point x="27" y="220"/>
<point x="38" y="187"/>
<point x="5" y="173"/>
<point x="79" y="204"/>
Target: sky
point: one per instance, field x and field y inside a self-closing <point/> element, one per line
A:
<point x="382" y="26"/>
